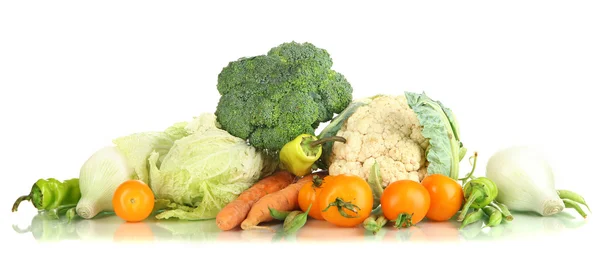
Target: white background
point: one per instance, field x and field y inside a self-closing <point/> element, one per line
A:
<point x="76" y="74"/>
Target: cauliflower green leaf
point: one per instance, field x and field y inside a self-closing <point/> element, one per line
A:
<point x="441" y="128"/>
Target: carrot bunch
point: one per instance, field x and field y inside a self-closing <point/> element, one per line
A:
<point x="278" y="191"/>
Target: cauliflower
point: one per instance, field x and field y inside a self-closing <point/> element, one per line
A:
<point x="408" y="135"/>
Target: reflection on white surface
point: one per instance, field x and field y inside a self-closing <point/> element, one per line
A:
<point x="112" y="228"/>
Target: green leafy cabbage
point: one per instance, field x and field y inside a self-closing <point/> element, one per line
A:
<point x="204" y="171"/>
<point x="137" y="147"/>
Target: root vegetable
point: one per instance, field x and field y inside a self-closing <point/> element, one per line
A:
<point x="234" y="213"/>
<point x="283" y="200"/>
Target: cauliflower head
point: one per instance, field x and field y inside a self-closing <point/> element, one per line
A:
<point x="409" y="136"/>
<point x="388" y="131"/>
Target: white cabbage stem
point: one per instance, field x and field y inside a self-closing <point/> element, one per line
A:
<point x="99" y="177"/>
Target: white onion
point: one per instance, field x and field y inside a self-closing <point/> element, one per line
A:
<point x="99" y="177"/>
<point x="525" y="181"/>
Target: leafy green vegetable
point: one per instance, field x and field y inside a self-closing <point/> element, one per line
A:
<point x="137" y="147"/>
<point x="204" y="171"/>
<point x="441" y="128"/>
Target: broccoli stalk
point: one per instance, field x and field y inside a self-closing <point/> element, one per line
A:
<point x="271" y="99"/>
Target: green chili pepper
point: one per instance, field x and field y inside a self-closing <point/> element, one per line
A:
<point x="503" y="209"/>
<point x="52" y="195"/>
<point x="567" y="194"/>
<point x="299" y="155"/>
<point x="494" y="216"/>
<point x="572" y="204"/>
<point x="71" y="214"/>
<point x="472" y="217"/>
<point x="479" y="193"/>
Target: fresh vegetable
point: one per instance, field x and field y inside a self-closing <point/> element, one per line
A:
<point x="375" y="222"/>
<point x="525" y="181"/>
<point x="204" y="171"/>
<point x="346" y="201"/>
<point x="99" y="178"/>
<point x="570" y="195"/>
<point x="446" y="197"/>
<point x="271" y="99"/>
<point x="572" y="204"/>
<point x="506" y="214"/>
<point x="309" y="195"/>
<point x="51" y="194"/>
<point x="494" y="216"/>
<point x="283" y="200"/>
<point x="236" y="211"/>
<point x="295" y="220"/>
<point x="137" y="147"/>
<point x="299" y="155"/>
<point x="474" y="216"/>
<point x="70" y="214"/>
<point x="409" y="135"/>
<point x="478" y="193"/>
<point x="133" y="201"/>
<point x="406" y="202"/>
<point x="110" y="166"/>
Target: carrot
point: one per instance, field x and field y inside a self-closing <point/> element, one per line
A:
<point x="283" y="200"/>
<point x="235" y="212"/>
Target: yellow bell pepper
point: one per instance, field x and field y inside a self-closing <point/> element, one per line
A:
<point x="298" y="155"/>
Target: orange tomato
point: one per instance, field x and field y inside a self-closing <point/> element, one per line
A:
<point x="405" y="197"/>
<point x="133" y="201"/>
<point x="309" y="194"/>
<point x="446" y="197"/>
<point x="346" y="200"/>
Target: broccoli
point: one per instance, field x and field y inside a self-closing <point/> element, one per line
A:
<point x="270" y="99"/>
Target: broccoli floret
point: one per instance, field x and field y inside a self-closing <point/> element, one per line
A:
<point x="272" y="98"/>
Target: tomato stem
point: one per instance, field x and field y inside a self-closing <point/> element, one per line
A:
<point x="317" y="181"/>
<point x="341" y="204"/>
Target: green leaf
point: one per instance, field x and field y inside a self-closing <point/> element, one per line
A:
<point x="445" y="149"/>
<point x="375" y="181"/>
<point x="278" y="215"/>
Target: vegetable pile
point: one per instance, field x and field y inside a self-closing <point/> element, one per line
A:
<point x="388" y="159"/>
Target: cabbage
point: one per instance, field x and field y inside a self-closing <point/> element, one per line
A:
<point x="204" y="171"/>
<point x="137" y="147"/>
